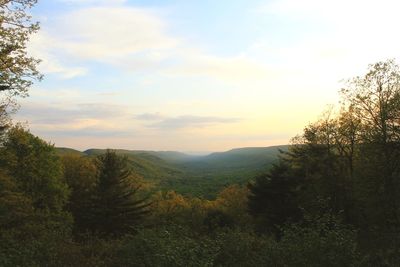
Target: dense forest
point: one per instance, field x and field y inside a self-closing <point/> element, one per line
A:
<point x="330" y="198"/>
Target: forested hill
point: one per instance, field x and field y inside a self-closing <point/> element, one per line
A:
<point x="202" y="176"/>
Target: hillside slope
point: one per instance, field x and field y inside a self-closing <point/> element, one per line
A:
<point x="201" y="176"/>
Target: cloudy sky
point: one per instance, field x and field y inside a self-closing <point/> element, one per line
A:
<point x="197" y="75"/>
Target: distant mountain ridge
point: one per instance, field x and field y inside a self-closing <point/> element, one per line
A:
<point x="198" y="175"/>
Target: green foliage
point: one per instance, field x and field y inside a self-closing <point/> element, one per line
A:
<point x="233" y="201"/>
<point x="166" y="247"/>
<point x="65" y="151"/>
<point x="37" y="243"/>
<point x="32" y="195"/>
<point x="196" y="176"/>
<point x="29" y="237"/>
<point x="81" y="176"/>
<point x="323" y="242"/>
<point x="273" y="198"/>
<point x="330" y="200"/>
<point x="320" y="244"/>
<point x="116" y="207"/>
<point x="154" y="166"/>
<point x="17" y="68"/>
<point x="375" y="101"/>
<point x="89" y="251"/>
<point x="15" y="208"/>
<point x="216" y="219"/>
<point x="36" y="169"/>
<point x="241" y="248"/>
<point x="345" y="164"/>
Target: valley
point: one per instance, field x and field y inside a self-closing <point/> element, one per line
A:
<point x="197" y="176"/>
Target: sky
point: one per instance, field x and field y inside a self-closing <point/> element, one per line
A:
<point x="197" y="76"/>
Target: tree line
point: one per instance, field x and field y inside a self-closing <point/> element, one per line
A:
<point x="346" y="165"/>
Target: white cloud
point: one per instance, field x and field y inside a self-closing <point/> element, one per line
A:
<point x="234" y="68"/>
<point x="133" y="39"/>
<point x="40" y="46"/>
<point x="150" y="117"/>
<point x="109" y="33"/>
<point x="281" y="82"/>
<point x="64" y="120"/>
<point x="183" y="122"/>
<point x="50" y="65"/>
<point x="112" y="34"/>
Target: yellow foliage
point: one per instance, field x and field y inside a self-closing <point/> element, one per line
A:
<point x="233" y="201"/>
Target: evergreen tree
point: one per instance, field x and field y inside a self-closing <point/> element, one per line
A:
<point x="117" y="206"/>
<point x="273" y="198"/>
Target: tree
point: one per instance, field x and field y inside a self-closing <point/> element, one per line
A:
<point x="311" y="178"/>
<point x="170" y="207"/>
<point x="233" y="201"/>
<point x="80" y="173"/>
<point x="273" y="198"/>
<point x="316" y="156"/>
<point x="17" y="69"/>
<point x="15" y="208"/>
<point x="32" y="198"/>
<point x="117" y="206"/>
<point x="375" y="100"/>
<point x="36" y="169"/>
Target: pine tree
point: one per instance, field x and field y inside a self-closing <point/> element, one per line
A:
<point x="117" y="208"/>
<point x="273" y="198"/>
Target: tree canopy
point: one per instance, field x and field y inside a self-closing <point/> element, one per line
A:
<point x="18" y="70"/>
<point x="35" y="168"/>
<point x="346" y="164"/>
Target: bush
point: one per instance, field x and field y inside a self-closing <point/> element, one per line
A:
<point x="325" y="242"/>
<point x="172" y="246"/>
<point x="36" y="243"/>
<point x="238" y="248"/>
